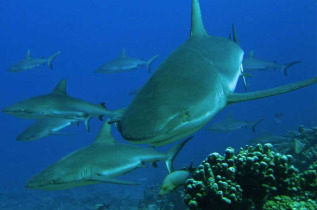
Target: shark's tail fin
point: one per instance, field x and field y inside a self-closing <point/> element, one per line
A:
<point x="149" y="62"/>
<point x="255" y="124"/>
<point x="50" y="59"/>
<point x="289" y="65"/>
<point x="173" y="152"/>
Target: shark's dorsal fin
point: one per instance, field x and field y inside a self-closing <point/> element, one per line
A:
<point x="251" y="54"/>
<point x="197" y="25"/>
<point x="60" y="88"/>
<point x="105" y="134"/>
<point x="28" y="54"/>
<point x="123" y="53"/>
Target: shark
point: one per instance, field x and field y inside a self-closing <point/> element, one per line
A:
<point x="45" y="127"/>
<point x="252" y="63"/>
<point x="29" y="63"/>
<point x="100" y="162"/>
<point x="58" y="104"/>
<point x="124" y="63"/>
<point x="194" y="83"/>
<point x="231" y="124"/>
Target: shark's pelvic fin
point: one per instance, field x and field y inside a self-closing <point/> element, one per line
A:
<point x="173" y="152"/>
<point x="112" y="180"/>
<point x="235" y="37"/>
<point x="123" y="53"/>
<point x="28" y="54"/>
<point x="197" y="25"/>
<point x="105" y="134"/>
<point x="60" y="88"/>
<point x="240" y="97"/>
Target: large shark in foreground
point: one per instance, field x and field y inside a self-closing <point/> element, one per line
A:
<point x="124" y="63"/>
<point x="231" y="124"/>
<point x="101" y="161"/>
<point x="189" y="88"/>
<point x="45" y="127"/>
<point x="58" y="104"/>
<point x="29" y="63"/>
<point x="252" y="63"/>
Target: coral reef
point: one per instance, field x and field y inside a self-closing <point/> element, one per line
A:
<point x="245" y="180"/>
<point x="302" y="145"/>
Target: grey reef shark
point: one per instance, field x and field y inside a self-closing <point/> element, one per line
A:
<point x="59" y="104"/>
<point x="189" y="88"/>
<point x="231" y="124"/>
<point x="252" y="63"/>
<point x="124" y="63"/>
<point x="45" y="127"/>
<point x="29" y="63"/>
<point x="100" y="162"/>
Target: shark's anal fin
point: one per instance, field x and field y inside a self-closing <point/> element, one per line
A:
<point x="240" y="97"/>
<point x="111" y="180"/>
<point x="197" y="26"/>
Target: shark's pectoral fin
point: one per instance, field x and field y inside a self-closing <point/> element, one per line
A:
<point x="240" y="97"/>
<point x="112" y="180"/>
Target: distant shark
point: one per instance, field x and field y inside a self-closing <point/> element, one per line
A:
<point x="231" y="124"/>
<point x="189" y="88"/>
<point x="45" y="127"/>
<point x="58" y="104"/>
<point x="253" y="63"/>
<point x="124" y="63"/>
<point x="29" y="63"/>
<point x="101" y="161"/>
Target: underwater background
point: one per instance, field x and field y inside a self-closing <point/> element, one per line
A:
<point x="89" y="33"/>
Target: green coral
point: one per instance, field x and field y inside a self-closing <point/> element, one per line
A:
<point x="286" y="202"/>
<point x="243" y="180"/>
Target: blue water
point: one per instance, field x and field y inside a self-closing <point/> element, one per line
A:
<point x="89" y="33"/>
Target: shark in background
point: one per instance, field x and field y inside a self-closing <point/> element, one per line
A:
<point x="251" y="63"/>
<point x="59" y="104"/>
<point x="30" y="63"/>
<point x="45" y="127"/>
<point x="124" y="63"/>
<point x="102" y="161"/>
<point x="194" y="83"/>
<point x="231" y="124"/>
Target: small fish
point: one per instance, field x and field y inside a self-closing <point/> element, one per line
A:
<point x="252" y="63"/>
<point x="45" y="127"/>
<point x="230" y="124"/>
<point x="174" y="180"/>
<point x="277" y="117"/>
<point x="124" y="63"/>
<point x="29" y="63"/>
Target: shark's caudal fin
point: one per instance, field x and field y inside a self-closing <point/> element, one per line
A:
<point x="197" y="25"/>
<point x="289" y="65"/>
<point x="240" y="97"/>
<point x="255" y="124"/>
<point x="149" y="62"/>
<point x="50" y="59"/>
<point x="172" y="153"/>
